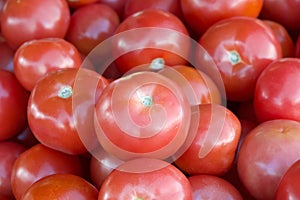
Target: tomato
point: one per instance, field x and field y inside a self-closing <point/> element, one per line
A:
<point x="80" y="3"/>
<point x="241" y="47"/>
<point x="277" y="90"/>
<point x="50" y="112"/>
<point x="26" y="138"/>
<point x="146" y="178"/>
<point x="61" y="186"/>
<point x="266" y="154"/>
<point x="297" y="48"/>
<point x="213" y="148"/>
<point x="288" y="187"/>
<point x="7" y="56"/>
<point x="36" y="58"/>
<point x="9" y="152"/>
<point x="202" y="86"/>
<point x="213" y="187"/>
<point x="142" y="114"/>
<point x="22" y="21"/>
<point x="38" y="162"/>
<point x="117" y="5"/>
<point x="13" y="105"/>
<point x="290" y="20"/>
<point x="90" y="25"/>
<point x="201" y="14"/>
<point x="284" y="38"/>
<point x="133" y="6"/>
<point x="165" y="39"/>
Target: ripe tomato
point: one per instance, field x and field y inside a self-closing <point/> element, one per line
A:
<point x="13" y="105"/>
<point x="213" y="148"/>
<point x="201" y="14"/>
<point x="131" y="48"/>
<point x="22" y="21"/>
<point x="61" y="186"/>
<point x="213" y="187"/>
<point x="277" y="90"/>
<point x="290" y="20"/>
<point x="117" y="5"/>
<point x="241" y="48"/>
<point x="9" y="152"/>
<point x="297" y="47"/>
<point x="142" y="114"/>
<point x="36" y="58"/>
<point x="90" y="25"/>
<point x="40" y="161"/>
<point x="26" y="138"/>
<point x="146" y="178"/>
<point x="133" y="6"/>
<point x="50" y="112"/>
<point x="288" y="187"/>
<point x="284" y="38"/>
<point x="266" y="154"/>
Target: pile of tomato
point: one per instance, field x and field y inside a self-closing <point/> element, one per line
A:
<point x="143" y="100"/>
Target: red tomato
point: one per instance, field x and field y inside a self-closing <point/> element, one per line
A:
<point x="203" y="87"/>
<point x="241" y="48"/>
<point x="142" y="114"/>
<point x="7" y="56"/>
<point x="213" y="187"/>
<point x="36" y="58"/>
<point x="50" y="112"/>
<point x="290" y="20"/>
<point x="277" y="92"/>
<point x="133" y="6"/>
<point x="288" y="187"/>
<point x="117" y="5"/>
<point x="80" y="3"/>
<point x="40" y="161"/>
<point x="146" y="178"/>
<point x="173" y="44"/>
<point x="213" y="148"/>
<point x="266" y="154"/>
<point x="13" y="105"/>
<point x="61" y="186"/>
<point x="90" y="25"/>
<point x="22" y="21"/>
<point x="201" y="14"/>
<point x="297" y="48"/>
<point x="9" y="152"/>
<point x="26" y="138"/>
<point x="284" y="38"/>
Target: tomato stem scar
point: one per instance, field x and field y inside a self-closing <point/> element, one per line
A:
<point x="65" y="92"/>
<point x="157" y="64"/>
<point x="234" y="57"/>
<point x="147" y="101"/>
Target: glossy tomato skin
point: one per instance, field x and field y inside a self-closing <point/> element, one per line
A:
<point x="80" y="3"/>
<point x="142" y="114"/>
<point x="213" y="187"/>
<point x="90" y="25"/>
<point x="225" y="127"/>
<point x="266" y="154"/>
<point x="290" y="20"/>
<point x="201" y="14"/>
<point x="117" y="5"/>
<point x="36" y="58"/>
<point x="134" y="50"/>
<point x="277" y="90"/>
<point x="61" y="186"/>
<point x="133" y="6"/>
<point x="146" y="178"/>
<point x="284" y="38"/>
<point x="50" y="112"/>
<point x="9" y="152"/>
<point x="288" y="187"/>
<point x="40" y="161"/>
<point x="241" y="47"/>
<point x="13" y="105"/>
<point x="32" y="19"/>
